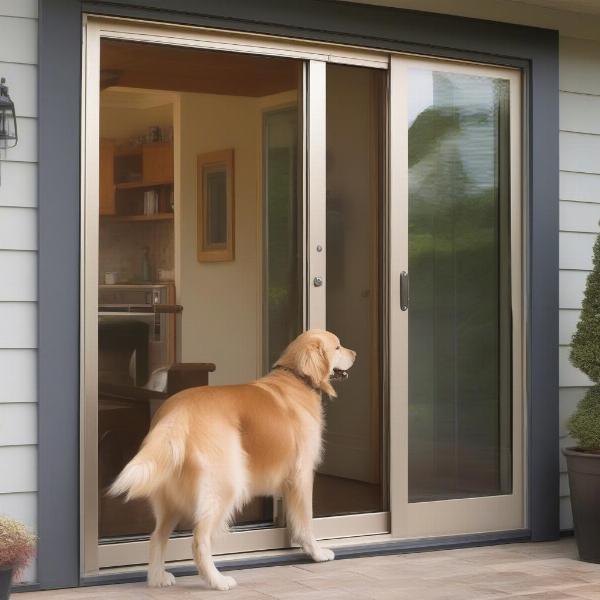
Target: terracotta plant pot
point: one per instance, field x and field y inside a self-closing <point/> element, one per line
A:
<point x="584" y="483"/>
<point x="6" y="574"/>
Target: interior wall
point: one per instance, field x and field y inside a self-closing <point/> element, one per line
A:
<point x="221" y="312"/>
<point x="222" y="301"/>
<point x="122" y="123"/>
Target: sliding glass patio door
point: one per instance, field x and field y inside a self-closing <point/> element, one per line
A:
<point x="369" y="193"/>
<point x="456" y="319"/>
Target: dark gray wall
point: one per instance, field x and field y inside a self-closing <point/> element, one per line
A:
<point x="533" y="50"/>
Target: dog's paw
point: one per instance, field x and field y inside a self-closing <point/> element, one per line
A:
<point x="162" y="579"/>
<point x="223" y="583"/>
<point x="323" y="555"/>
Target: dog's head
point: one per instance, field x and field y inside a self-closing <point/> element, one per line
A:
<point x="318" y="355"/>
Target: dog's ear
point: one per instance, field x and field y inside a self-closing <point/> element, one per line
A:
<point x="314" y="363"/>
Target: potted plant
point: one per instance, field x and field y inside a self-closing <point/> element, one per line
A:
<point x="583" y="461"/>
<point x="17" y="546"/>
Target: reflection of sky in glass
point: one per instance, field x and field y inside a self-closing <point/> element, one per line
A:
<point x="474" y="99"/>
<point x="421" y="94"/>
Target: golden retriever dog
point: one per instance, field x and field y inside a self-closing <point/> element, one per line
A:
<point x="211" y="449"/>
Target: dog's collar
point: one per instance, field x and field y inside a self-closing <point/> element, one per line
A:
<point x="305" y="379"/>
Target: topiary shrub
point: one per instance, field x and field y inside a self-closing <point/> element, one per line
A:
<point x="584" y="424"/>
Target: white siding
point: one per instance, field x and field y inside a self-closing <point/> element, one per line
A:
<point x="579" y="112"/>
<point x="18" y="228"/>
<point x="567" y="322"/>
<point x="18" y="368"/>
<point x="576" y="250"/>
<point x="18" y="469"/>
<point x="579" y="152"/>
<point x="579" y="60"/>
<point x="18" y="42"/>
<point x="572" y="284"/>
<point x="18" y="270"/>
<point x="18" y="274"/>
<point x="579" y="214"/>
<point x="18" y="424"/>
<point x="19" y="8"/>
<point x="19" y="185"/>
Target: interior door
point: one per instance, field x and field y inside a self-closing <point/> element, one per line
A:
<point x="456" y="327"/>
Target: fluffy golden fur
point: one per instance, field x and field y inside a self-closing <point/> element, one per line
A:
<point x="211" y="449"/>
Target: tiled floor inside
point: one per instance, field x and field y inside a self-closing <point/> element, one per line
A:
<point x="548" y="571"/>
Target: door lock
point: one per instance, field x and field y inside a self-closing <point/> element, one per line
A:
<point x="318" y="281"/>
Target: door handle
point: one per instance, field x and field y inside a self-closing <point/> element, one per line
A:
<point x="404" y="291"/>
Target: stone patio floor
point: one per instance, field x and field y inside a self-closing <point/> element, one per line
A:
<point x="546" y="571"/>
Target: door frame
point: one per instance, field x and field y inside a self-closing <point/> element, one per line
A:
<point x="116" y="553"/>
<point x="98" y="556"/>
<point x="535" y="50"/>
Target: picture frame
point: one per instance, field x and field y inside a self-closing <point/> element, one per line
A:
<point x="216" y="206"/>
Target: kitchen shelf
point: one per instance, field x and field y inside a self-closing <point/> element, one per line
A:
<point x="131" y="218"/>
<point x="134" y="185"/>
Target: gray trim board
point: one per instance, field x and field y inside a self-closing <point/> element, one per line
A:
<point x="531" y="49"/>
<point x="58" y="285"/>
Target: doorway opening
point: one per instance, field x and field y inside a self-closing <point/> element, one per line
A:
<point x="202" y="254"/>
<point x="180" y="299"/>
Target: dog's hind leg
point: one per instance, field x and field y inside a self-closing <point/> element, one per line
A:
<point x="166" y="520"/>
<point x="213" y="510"/>
<point x="298" y="505"/>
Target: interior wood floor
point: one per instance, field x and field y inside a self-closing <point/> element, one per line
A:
<point x="337" y="495"/>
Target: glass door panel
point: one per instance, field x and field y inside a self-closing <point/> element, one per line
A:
<point x="456" y="330"/>
<point x="459" y="382"/>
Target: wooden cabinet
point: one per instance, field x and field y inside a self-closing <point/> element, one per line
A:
<point x="107" y="177"/>
<point x="127" y="172"/>
<point x="157" y="162"/>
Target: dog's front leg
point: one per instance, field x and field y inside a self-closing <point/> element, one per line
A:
<point x="298" y="506"/>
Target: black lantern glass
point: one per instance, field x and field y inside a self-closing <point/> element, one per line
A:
<point x="8" y="119"/>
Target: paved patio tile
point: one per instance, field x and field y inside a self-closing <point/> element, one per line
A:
<point x="548" y="571"/>
<point x="590" y="591"/>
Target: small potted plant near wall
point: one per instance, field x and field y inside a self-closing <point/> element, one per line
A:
<point x="583" y="460"/>
<point x="17" y="546"/>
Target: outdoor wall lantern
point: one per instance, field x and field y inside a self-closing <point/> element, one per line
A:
<point x="8" y="122"/>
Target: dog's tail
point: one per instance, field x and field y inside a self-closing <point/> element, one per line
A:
<point x="162" y="453"/>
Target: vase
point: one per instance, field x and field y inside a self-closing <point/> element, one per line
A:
<point x="6" y="574"/>
<point x="584" y="483"/>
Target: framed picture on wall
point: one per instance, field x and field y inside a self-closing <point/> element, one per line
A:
<point x="215" y="203"/>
